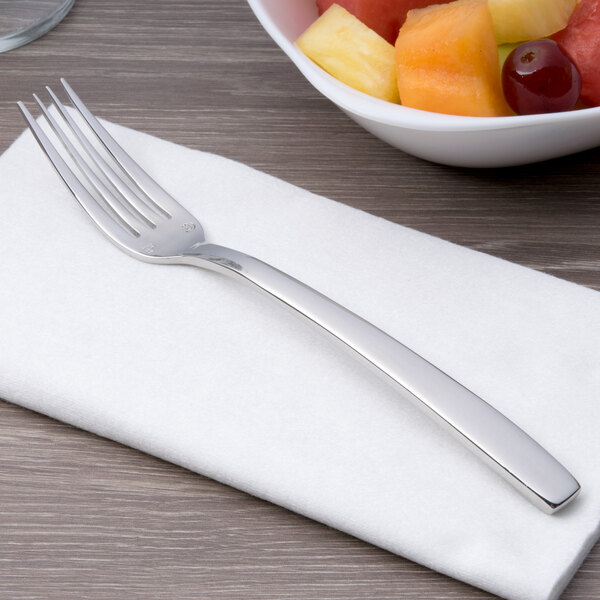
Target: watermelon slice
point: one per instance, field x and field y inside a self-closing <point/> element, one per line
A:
<point x="385" y="17"/>
<point x="581" y="42"/>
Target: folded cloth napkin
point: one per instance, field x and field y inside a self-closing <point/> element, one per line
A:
<point x="199" y="370"/>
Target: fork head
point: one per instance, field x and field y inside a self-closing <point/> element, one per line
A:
<point x="134" y="211"/>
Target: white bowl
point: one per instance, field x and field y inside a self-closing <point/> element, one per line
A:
<point x="447" y="139"/>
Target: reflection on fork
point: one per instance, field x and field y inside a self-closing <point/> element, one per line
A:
<point x="142" y="219"/>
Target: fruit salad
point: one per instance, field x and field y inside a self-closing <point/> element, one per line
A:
<point x="463" y="57"/>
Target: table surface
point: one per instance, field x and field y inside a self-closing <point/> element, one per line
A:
<point x="83" y="517"/>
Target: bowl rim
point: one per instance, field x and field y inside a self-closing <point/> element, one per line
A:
<point x="387" y="113"/>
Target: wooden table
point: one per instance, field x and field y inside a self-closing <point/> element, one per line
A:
<point x="82" y="517"/>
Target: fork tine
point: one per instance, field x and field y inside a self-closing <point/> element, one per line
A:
<point x="121" y="233"/>
<point x="147" y="211"/>
<point x="123" y="211"/>
<point x="155" y="193"/>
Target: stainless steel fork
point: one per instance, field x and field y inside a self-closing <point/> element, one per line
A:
<point x="143" y="220"/>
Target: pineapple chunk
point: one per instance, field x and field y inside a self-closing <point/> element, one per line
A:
<point x="522" y="20"/>
<point x="347" y="49"/>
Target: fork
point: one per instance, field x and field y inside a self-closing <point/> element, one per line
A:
<point x="143" y="220"/>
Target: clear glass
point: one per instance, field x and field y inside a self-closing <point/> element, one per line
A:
<point x="22" y="21"/>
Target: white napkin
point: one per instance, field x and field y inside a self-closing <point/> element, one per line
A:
<point x="199" y="370"/>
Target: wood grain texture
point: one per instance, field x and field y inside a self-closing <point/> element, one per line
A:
<point x="82" y="517"/>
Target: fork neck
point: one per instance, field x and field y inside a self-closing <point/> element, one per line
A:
<point x="220" y="258"/>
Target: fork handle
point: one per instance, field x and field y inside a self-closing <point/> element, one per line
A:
<point x="483" y="429"/>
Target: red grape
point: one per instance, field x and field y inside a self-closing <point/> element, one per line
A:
<point x="538" y="77"/>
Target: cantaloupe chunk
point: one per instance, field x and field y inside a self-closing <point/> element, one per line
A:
<point x="347" y="49"/>
<point x="447" y="60"/>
